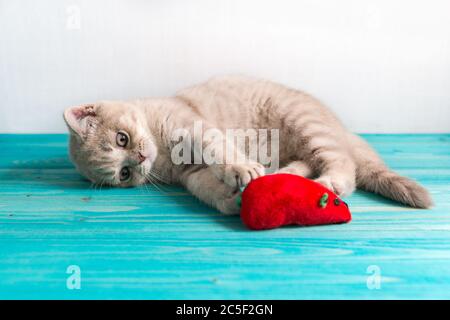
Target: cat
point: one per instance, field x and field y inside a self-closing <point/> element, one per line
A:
<point x="131" y="143"/>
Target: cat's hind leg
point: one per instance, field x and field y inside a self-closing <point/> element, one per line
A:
<point x="336" y="169"/>
<point x="320" y="140"/>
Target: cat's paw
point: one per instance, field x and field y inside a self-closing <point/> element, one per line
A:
<point x="340" y="185"/>
<point x="238" y="175"/>
<point x="229" y="205"/>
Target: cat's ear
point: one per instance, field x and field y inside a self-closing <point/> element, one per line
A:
<point x="80" y="119"/>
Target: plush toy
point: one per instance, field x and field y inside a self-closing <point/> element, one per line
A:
<point x="284" y="199"/>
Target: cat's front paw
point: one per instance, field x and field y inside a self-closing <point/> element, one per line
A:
<point x="238" y="175"/>
<point x="230" y="204"/>
<point x="340" y="185"/>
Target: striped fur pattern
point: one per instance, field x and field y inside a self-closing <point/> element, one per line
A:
<point x="312" y="142"/>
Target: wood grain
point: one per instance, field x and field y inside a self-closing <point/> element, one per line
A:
<point x="163" y="244"/>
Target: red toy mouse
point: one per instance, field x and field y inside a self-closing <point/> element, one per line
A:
<point x="284" y="199"/>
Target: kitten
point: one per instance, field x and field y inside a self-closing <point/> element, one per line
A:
<point x="131" y="143"/>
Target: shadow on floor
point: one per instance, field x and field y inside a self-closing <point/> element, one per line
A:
<point x="58" y="173"/>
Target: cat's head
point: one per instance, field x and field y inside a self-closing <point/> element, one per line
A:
<point x="110" y="143"/>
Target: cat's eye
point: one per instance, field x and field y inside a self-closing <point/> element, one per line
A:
<point x="122" y="139"/>
<point x="125" y="174"/>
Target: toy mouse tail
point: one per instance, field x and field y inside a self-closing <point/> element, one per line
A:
<point x="374" y="176"/>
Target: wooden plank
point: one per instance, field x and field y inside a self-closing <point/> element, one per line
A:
<point x="163" y="244"/>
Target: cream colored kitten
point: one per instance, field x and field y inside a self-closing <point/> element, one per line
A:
<point x="131" y="143"/>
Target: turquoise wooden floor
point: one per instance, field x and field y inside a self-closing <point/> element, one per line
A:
<point x="148" y="243"/>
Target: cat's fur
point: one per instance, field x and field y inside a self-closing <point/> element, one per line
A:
<point x="313" y="143"/>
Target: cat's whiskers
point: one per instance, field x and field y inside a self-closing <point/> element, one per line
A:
<point x="95" y="185"/>
<point x="155" y="181"/>
<point x="158" y="176"/>
<point x="154" y="184"/>
<point x="102" y="182"/>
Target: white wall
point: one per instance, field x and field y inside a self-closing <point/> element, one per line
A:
<point x="382" y="65"/>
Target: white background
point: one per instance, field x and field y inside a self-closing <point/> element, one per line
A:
<point x="382" y="66"/>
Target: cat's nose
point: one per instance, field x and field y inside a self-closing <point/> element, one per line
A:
<point x="141" y="158"/>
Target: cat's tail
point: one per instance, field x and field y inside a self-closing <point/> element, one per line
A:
<point x="374" y="176"/>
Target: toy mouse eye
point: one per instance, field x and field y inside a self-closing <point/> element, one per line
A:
<point x="122" y="139"/>
<point x="337" y="202"/>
